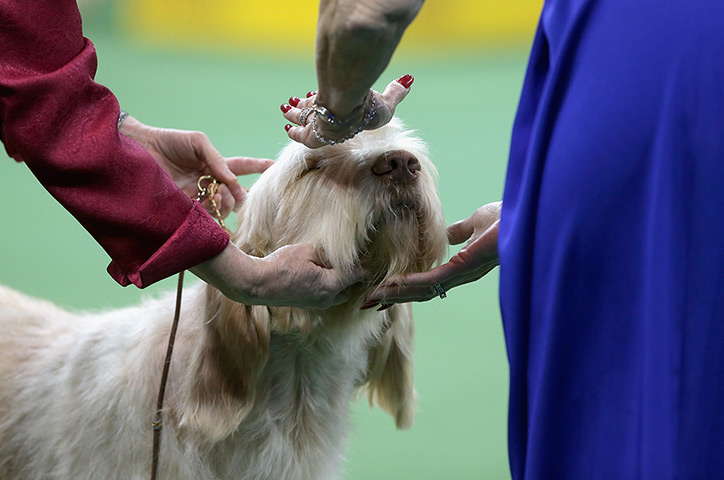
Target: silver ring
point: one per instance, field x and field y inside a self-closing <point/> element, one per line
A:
<point x="304" y="115"/>
<point x="439" y="291"/>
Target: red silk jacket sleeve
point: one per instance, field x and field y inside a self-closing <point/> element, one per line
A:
<point x="63" y="125"/>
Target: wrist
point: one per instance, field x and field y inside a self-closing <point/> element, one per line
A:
<point x="233" y="273"/>
<point x="341" y="103"/>
<point x="131" y="127"/>
<point x="331" y="128"/>
<point x="121" y="117"/>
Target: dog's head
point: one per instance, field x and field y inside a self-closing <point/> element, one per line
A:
<point x="371" y="201"/>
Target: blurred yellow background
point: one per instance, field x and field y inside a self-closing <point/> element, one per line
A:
<point x="289" y="25"/>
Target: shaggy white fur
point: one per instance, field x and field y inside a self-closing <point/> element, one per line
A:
<point x="254" y="392"/>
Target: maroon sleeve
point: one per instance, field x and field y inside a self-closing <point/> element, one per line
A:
<point x="63" y="125"/>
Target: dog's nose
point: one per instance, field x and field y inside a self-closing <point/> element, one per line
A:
<point x="400" y="166"/>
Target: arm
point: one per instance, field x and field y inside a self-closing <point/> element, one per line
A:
<point x="291" y="276"/>
<point x="355" y="41"/>
<point x="63" y="125"/>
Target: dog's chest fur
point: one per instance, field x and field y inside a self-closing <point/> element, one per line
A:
<point x="300" y="417"/>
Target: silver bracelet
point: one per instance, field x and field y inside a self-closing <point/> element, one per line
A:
<point x="121" y="116"/>
<point x="329" y="118"/>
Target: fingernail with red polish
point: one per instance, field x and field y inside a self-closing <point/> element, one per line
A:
<point x="287" y="127"/>
<point x="285" y="108"/>
<point x="311" y="94"/>
<point x="384" y="307"/>
<point x="294" y="101"/>
<point x="406" y="80"/>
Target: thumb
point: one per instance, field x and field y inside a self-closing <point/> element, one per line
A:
<point x="460" y="231"/>
<point x="397" y="90"/>
<point x="218" y="167"/>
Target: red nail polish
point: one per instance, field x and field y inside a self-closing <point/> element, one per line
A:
<point x="406" y="80"/>
<point x="285" y="108"/>
<point x="384" y="306"/>
<point x="311" y="94"/>
<point x="294" y="101"/>
<point x="368" y="305"/>
<point x="287" y="127"/>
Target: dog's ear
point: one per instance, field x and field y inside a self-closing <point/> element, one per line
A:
<point x="389" y="379"/>
<point x="225" y="368"/>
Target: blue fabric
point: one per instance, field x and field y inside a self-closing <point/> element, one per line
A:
<point x="612" y="244"/>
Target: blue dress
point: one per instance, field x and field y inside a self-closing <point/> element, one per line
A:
<point x="612" y="244"/>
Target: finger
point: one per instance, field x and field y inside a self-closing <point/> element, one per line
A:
<point x="387" y="101"/>
<point x="369" y="304"/>
<point x="218" y="167"/>
<point x="354" y="276"/>
<point x="295" y="115"/>
<point x="230" y="202"/>
<point x="306" y="102"/>
<point x="483" y="247"/>
<point x="460" y="231"/>
<point x="444" y="273"/>
<point x="351" y="278"/>
<point x="335" y="288"/>
<point x="303" y="135"/>
<point x="337" y="282"/>
<point x="248" y="165"/>
<point x="395" y="293"/>
<point x="299" y="103"/>
<point x="399" y="294"/>
<point x="397" y="90"/>
<point x="225" y="201"/>
<point x="416" y="287"/>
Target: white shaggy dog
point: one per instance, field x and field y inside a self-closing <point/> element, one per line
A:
<point x="254" y="392"/>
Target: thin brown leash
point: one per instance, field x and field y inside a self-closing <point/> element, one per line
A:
<point x="208" y="191"/>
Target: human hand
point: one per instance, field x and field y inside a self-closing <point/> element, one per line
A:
<point x="296" y="276"/>
<point x="187" y="155"/>
<point x="385" y="105"/>
<point x="292" y="276"/>
<point x="478" y="257"/>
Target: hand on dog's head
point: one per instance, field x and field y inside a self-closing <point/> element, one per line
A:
<point x="370" y="201"/>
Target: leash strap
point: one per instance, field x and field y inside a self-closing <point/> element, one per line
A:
<point x="158" y="418"/>
<point x="208" y="191"/>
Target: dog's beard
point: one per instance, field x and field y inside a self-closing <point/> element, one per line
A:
<point x="333" y="199"/>
<point x="395" y="236"/>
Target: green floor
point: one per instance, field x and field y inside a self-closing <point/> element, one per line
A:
<point x="463" y="106"/>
